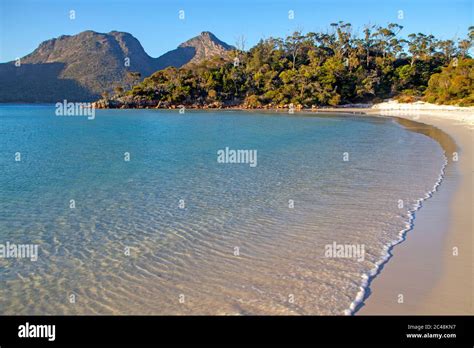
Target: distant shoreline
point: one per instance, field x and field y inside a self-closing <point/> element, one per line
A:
<point x="414" y="110"/>
<point x="366" y="107"/>
<point x="462" y="114"/>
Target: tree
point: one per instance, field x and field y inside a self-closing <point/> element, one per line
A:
<point x="293" y="45"/>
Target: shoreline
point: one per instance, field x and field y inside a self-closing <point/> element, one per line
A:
<point x="366" y="289"/>
<point x="423" y="267"/>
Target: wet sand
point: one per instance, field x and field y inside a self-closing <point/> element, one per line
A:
<point x="424" y="268"/>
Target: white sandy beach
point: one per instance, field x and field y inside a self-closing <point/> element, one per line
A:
<point x="424" y="268"/>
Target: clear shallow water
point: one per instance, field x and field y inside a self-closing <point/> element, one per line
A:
<point x="190" y="251"/>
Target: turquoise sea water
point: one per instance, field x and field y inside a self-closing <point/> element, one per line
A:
<point x="236" y="247"/>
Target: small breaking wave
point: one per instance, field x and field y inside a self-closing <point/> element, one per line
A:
<point x="368" y="277"/>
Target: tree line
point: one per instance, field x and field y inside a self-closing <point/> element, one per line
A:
<point x="318" y="69"/>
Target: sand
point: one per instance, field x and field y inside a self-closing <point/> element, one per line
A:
<point x="424" y="268"/>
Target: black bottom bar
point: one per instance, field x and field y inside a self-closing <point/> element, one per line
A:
<point x="142" y="330"/>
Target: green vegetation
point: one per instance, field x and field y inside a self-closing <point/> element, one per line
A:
<point x="454" y="85"/>
<point x="314" y="69"/>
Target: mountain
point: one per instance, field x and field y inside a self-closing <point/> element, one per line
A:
<point x="81" y="67"/>
<point x="195" y="50"/>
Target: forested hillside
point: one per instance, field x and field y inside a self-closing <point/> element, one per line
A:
<point x="317" y="69"/>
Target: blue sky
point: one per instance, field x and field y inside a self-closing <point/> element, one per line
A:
<point x="24" y="24"/>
